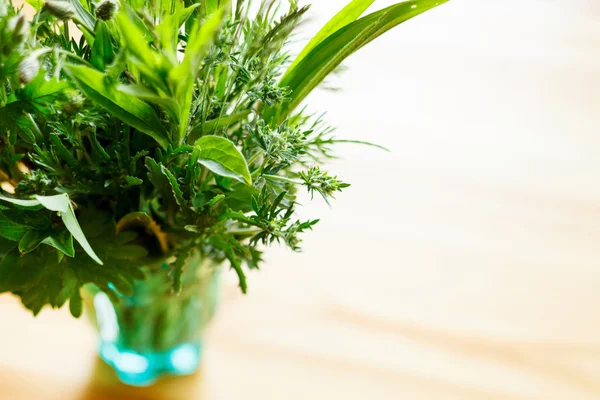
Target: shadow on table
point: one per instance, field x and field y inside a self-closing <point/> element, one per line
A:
<point x="104" y="385"/>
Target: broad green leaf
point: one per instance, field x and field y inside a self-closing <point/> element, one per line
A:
<point x="62" y="204"/>
<point x="36" y="4"/>
<point x="210" y="6"/>
<point x="168" y="29"/>
<point x="240" y="199"/>
<point x="37" y="95"/>
<point x="15" y="270"/>
<point x="83" y="16"/>
<point x="184" y="75"/>
<point x="11" y="230"/>
<point x="39" y="279"/>
<point x="222" y="157"/>
<point x="327" y="55"/>
<point x="61" y="241"/>
<point x="31" y="240"/>
<point x="22" y="203"/>
<point x="136" y="38"/>
<point x="28" y="218"/>
<point x="137" y="4"/>
<point x="146" y="94"/>
<point x="102" y="50"/>
<point x="124" y="106"/>
<point x="347" y="15"/>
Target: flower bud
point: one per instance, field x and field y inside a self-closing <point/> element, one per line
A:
<point x="60" y="9"/>
<point x="74" y="104"/>
<point x="106" y="9"/>
<point x="29" y="68"/>
<point x="19" y="28"/>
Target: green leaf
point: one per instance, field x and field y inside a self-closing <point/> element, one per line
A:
<point x="146" y="94"/>
<point x="210" y="6"/>
<point x="37" y="95"/>
<point x="15" y="270"/>
<point x="124" y="106"/>
<point x="132" y="181"/>
<point x="222" y="157"/>
<point x="40" y="278"/>
<point x="22" y="203"/>
<point x="240" y="199"/>
<point x="83" y="16"/>
<point x="348" y="14"/>
<point x="175" y="189"/>
<point x="102" y="51"/>
<point x="36" y="4"/>
<point x="213" y="125"/>
<point x="329" y="53"/>
<point x="61" y="150"/>
<point x="184" y="75"/>
<point x="28" y="218"/>
<point x="168" y="29"/>
<point x="136" y="38"/>
<point x="176" y="271"/>
<point x="61" y="241"/>
<point x="235" y="262"/>
<point x="31" y="240"/>
<point x="62" y="204"/>
<point x="11" y="230"/>
<point x="76" y="304"/>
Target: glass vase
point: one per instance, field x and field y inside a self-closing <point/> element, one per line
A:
<point x="155" y="332"/>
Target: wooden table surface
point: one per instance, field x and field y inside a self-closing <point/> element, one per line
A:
<point x="465" y="264"/>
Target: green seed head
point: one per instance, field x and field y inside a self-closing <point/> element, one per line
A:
<point x="106" y="10"/>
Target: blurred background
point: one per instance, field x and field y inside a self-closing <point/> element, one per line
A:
<point x="464" y="264"/>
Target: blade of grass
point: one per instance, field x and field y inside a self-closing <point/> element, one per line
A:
<point x="347" y="15"/>
<point x="326" y="56"/>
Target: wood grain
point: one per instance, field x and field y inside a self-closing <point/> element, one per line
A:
<point x="463" y="265"/>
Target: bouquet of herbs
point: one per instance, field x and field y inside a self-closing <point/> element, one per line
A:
<point x="137" y="134"/>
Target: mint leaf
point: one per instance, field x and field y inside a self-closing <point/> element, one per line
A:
<point x="62" y="204"/>
<point x="222" y="157"/>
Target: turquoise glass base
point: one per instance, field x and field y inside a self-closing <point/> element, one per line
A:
<point x="155" y="331"/>
<point x="143" y="369"/>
